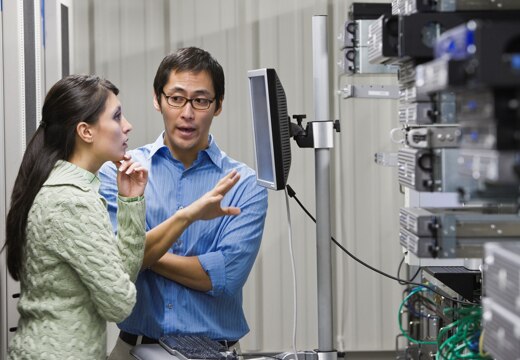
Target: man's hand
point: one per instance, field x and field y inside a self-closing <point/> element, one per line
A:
<point x="208" y="206"/>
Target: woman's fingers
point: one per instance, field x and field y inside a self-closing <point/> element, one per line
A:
<point x="134" y="167"/>
<point x="132" y="177"/>
<point x="128" y="166"/>
<point x="128" y="170"/>
<point x="139" y="172"/>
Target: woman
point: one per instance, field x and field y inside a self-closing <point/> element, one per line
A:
<point x="74" y="274"/>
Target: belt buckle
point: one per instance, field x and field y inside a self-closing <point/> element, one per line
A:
<point x="139" y="340"/>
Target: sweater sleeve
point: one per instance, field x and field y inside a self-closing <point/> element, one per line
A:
<point x="131" y="234"/>
<point x="84" y="239"/>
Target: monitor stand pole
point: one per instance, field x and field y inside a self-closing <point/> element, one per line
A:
<point x="320" y="61"/>
<point x="319" y="135"/>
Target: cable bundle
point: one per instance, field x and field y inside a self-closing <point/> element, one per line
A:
<point x="465" y="341"/>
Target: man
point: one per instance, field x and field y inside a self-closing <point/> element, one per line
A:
<point x="196" y="287"/>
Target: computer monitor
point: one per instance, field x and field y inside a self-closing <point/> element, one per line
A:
<point x="271" y="128"/>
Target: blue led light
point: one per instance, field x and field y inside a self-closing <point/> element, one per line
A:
<point x="472" y="105"/>
<point x="473" y="135"/>
<point x="515" y="61"/>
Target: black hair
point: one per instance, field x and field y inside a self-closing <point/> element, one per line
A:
<point x="73" y="99"/>
<point x="194" y="60"/>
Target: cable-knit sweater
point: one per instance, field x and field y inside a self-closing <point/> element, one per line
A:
<point x="76" y="275"/>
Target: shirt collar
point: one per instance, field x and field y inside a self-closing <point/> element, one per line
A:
<point x="66" y="173"/>
<point x="212" y="150"/>
<point x="156" y="145"/>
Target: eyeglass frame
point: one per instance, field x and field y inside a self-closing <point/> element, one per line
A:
<point x="188" y="100"/>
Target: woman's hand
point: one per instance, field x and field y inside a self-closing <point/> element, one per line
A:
<point x="131" y="177"/>
<point x="208" y="206"/>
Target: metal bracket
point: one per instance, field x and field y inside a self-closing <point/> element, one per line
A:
<point x="370" y="91"/>
<point x="386" y="159"/>
<point x="323" y="134"/>
<point x="433" y="137"/>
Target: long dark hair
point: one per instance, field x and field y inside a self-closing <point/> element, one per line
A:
<point x="194" y="60"/>
<point x="71" y="100"/>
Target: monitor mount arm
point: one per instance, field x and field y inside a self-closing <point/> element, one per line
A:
<point x="305" y="137"/>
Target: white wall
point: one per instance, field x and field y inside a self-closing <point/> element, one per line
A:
<point x="124" y="40"/>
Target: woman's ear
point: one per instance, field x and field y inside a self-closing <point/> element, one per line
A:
<point x="85" y="132"/>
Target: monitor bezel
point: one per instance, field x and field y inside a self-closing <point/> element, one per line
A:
<point x="264" y="74"/>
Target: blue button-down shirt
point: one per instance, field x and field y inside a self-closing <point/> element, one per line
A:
<point x="226" y="246"/>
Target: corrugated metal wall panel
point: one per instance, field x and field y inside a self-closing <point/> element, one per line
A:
<point x="130" y="39"/>
<point x="366" y="222"/>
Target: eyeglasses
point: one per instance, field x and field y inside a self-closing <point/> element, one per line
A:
<point x="177" y="101"/>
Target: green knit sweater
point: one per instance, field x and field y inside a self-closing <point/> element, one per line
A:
<point x="76" y="274"/>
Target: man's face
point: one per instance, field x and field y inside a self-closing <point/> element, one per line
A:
<point x="186" y="128"/>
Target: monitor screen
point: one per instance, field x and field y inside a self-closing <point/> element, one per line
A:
<point x="271" y="128"/>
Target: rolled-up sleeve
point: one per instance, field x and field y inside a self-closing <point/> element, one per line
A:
<point x="215" y="266"/>
<point x="229" y="266"/>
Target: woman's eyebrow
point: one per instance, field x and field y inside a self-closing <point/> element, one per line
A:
<point x="117" y="110"/>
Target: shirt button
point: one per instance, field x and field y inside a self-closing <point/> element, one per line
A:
<point x="170" y="306"/>
<point x="181" y="207"/>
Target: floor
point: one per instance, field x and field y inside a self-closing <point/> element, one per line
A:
<point x="365" y="355"/>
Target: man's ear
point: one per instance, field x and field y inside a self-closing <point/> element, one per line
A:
<point x="157" y="103"/>
<point x="85" y="132"/>
<point x="217" y="113"/>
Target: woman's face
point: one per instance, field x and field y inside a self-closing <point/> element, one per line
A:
<point x="110" y="133"/>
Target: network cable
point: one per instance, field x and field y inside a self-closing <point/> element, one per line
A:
<point x="292" y="194"/>
<point x="295" y="312"/>
<point x="399" y="272"/>
<point x="465" y="339"/>
<point x="399" y="319"/>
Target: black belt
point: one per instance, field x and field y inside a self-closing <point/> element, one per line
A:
<point x="227" y="343"/>
<point x="131" y="339"/>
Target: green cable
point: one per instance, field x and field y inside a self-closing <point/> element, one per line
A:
<point x="456" y="343"/>
<point x="466" y="327"/>
<point x="448" y="342"/>
<point x="399" y="320"/>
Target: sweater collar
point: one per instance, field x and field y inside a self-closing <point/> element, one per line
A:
<point x="66" y="173"/>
